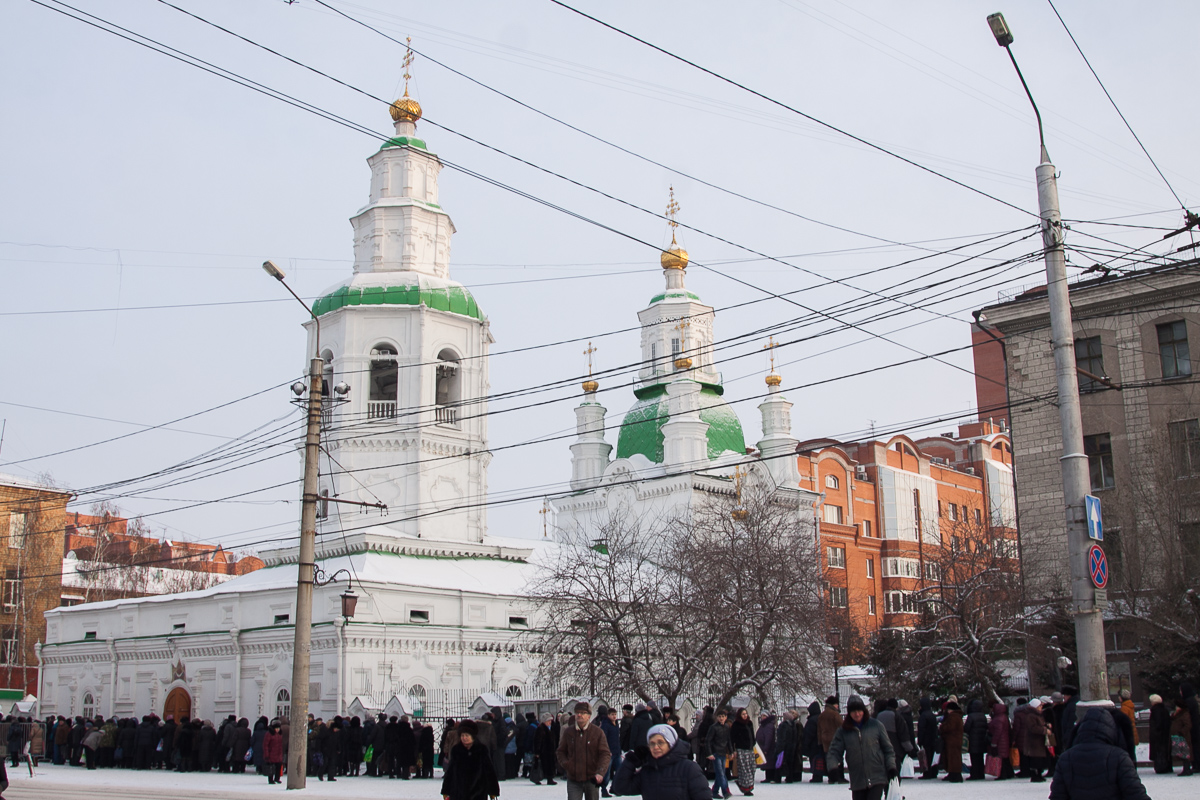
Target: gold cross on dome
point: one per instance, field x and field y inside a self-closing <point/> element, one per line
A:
<point x="738" y="474"/>
<point x="544" y="512"/>
<point x="770" y="347"/>
<point x="588" y="353"/>
<point x="672" y="210"/>
<point x="682" y="327"/>
<point x="408" y="60"/>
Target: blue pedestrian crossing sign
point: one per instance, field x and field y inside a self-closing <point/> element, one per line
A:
<point x="1095" y="522"/>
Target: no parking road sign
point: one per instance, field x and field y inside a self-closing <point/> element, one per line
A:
<point x="1098" y="566"/>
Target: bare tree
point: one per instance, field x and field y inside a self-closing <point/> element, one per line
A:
<point x="720" y="601"/>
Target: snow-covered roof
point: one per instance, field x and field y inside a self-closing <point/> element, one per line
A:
<point x="26" y="483"/>
<point x="483" y="575"/>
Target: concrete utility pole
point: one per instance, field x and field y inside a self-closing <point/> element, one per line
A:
<point x="297" y="767"/>
<point x="1089" y="623"/>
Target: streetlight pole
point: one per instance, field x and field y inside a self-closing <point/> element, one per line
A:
<point x="1076" y="481"/>
<point x="302" y="644"/>
<point x="835" y="639"/>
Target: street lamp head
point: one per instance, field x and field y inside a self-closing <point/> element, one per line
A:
<point x="349" y="603"/>
<point x="342" y="389"/>
<point x="1000" y="29"/>
<point x="274" y="271"/>
<point x="298" y="388"/>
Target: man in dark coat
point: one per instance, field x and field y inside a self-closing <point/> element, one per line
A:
<point x="583" y="752"/>
<point x="143" y="744"/>
<point x="828" y="725"/>
<point x="785" y="744"/>
<point x="471" y="775"/>
<point x="1187" y="699"/>
<point x="407" y="749"/>
<point x="626" y="726"/>
<point x="612" y="735"/>
<point x="765" y="739"/>
<point x="1070" y="702"/>
<point x="1095" y="768"/>
<point x="643" y="720"/>
<point x="391" y="745"/>
<point x="184" y="737"/>
<point x="545" y="749"/>
<point x="1160" y="735"/>
<point x="976" y="729"/>
<point x="928" y="739"/>
<point x="810" y="747"/>
<point x="888" y="714"/>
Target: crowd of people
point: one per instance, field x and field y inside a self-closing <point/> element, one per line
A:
<point x="1088" y="749"/>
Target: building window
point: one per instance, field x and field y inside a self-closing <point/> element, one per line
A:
<point x="18" y="522"/>
<point x="9" y="654"/>
<point x="901" y="568"/>
<point x="831" y="482"/>
<point x="518" y="622"/>
<point x="978" y="517"/>
<point x="835" y="557"/>
<point x="1089" y="358"/>
<point x="418" y="616"/>
<point x="871" y="568"/>
<point x="283" y="704"/>
<point x="871" y="605"/>
<point x="1173" y="349"/>
<point x="867" y="528"/>
<point x="900" y="603"/>
<point x="1098" y="449"/>
<point x="323" y="505"/>
<point x="954" y="543"/>
<point x="952" y="512"/>
<point x="12" y="592"/>
<point x="282" y="619"/>
<point x="513" y="691"/>
<point x="933" y="571"/>
<point x="1007" y="548"/>
<point x="1185" y="447"/>
<point x="838" y="597"/>
<point x="833" y="514"/>
<point x="89" y="705"/>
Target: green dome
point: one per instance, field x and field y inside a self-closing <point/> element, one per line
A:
<point x="436" y="293"/>
<point x="641" y="430"/>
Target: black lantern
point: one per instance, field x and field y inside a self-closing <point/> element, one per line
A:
<point x="349" y="602"/>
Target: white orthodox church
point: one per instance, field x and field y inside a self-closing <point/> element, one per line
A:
<point x="441" y="601"/>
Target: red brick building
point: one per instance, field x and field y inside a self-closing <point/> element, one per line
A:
<point x="894" y="509"/>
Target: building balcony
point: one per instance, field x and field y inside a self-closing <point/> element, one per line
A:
<point x="381" y="409"/>
<point x="446" y="415"/>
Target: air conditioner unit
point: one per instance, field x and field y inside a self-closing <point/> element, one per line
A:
<point x="969" y="470"/>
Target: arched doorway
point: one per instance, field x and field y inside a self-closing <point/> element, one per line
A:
<point x="178" y="705"/>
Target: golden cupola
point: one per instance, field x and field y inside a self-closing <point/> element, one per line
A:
<point x="406" y="109"/>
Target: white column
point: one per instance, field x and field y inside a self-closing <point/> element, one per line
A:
<point x="685" y="435"/>
<point x="777" y="447"/>
<point x="590" y="452"/>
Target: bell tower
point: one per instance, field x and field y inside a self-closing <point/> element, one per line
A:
<point x="412" y="344"/>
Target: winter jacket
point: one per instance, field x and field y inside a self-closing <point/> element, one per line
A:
<point x="785" y="740"/>
<point x="470" y="774"/>
<point x="1018" y="727"/>
<point x="406" y="752"/>
<point x="900" y="737"/>
<point x="718" y="743"/>
<point x="999" y="732"/>
<point x="643" y="721"/>
<point x="1188" y="694"/>
<point x="976" y="728"/>
<point x="241" y="741"/>
<point x="1181" y="724"/>
<point x="741" y="735"/>
<point x="1128" y="710"/>
<point x="1034" y="730"/>
<point x="951" y="731"/>
<point x="765" y="737"/>
<point x="1125" y="733"/>
<point x="868" y="752"/>
<point x="810" y="743"/>
<point x="272" y="748"/>
<point x="827" y="726"/>
<point x="927" y="728"/>
<point x="1094" y="768"/>
<point x="1160" y="733"/>
<point x="545" y="747"/>
<point x="1068" y="722"/>
<point x="584" y="753"/>
<point x="62" y="734"/>
<point x="672" y="777"/>
<point x="612" y="735"/>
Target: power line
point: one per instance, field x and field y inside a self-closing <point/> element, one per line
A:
<point x="792" y="109"/>
<point x="1115" y="107"/>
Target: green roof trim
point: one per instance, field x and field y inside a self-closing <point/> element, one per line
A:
<point x="404" y="141"/>
<point x="641" y="431"/>
<point x="675" y="295"/>
<point x="453" y="298"/>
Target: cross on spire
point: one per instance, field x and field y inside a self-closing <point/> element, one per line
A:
<point x="588" y="353"/>
<point x="408" y="60"/>
<point x="672" y="210"/>
<point x="544" y="512"/>
<point x="770" y="348"/>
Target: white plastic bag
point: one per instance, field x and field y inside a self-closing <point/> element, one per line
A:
<point x="893" y="790"/>
<point x="907" y="770"/>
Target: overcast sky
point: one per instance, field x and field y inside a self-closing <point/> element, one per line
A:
<point x="132" y="181"/>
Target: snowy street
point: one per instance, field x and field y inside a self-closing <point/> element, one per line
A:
<point x="73" y="783"/>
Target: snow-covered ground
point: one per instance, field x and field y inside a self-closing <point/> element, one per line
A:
<point x="73" y="783"/>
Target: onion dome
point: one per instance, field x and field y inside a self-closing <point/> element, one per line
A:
<point x="405" y="109"/>
<point x="590" y="386"/>
<point x="674" y="258"/>
<point x="683" y="363"/>
<point x="773" y="380"/>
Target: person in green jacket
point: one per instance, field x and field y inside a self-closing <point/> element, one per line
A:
<point x="870" y="758"/>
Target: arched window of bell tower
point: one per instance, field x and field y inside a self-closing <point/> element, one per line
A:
<point x="385" y="375"/>
<point x="448" y="389"/>
<point x="326" y="388"/>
